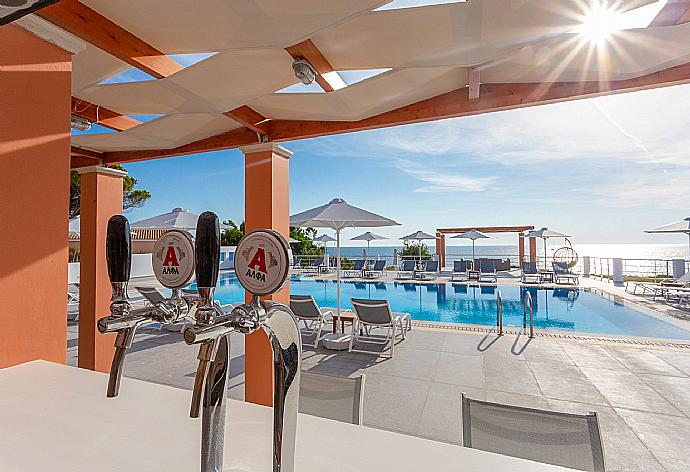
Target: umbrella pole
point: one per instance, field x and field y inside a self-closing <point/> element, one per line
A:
<point x="337" y="256"/>
<point x="545" y="266"/>
<point x="473" y="254"/>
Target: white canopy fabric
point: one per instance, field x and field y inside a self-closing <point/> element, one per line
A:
<point x="338" y="214"/>
<point x="545" y="233"/>
<point x="682" y="226"/>
<point x="75" y="226"/>
<point x="178" y="218"/>
<point x="472" y="234"/>
<point x="324" y="238"/>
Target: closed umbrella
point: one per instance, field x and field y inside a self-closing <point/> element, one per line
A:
<point x="178" y="218"/>
<point x="472" y="234"/>
<point x="337" y="215"/>
<point x="368" y="237"/>
<point x="682" y="226"/>
<point x="545" y="233"/>
<point x="418" y="236"/>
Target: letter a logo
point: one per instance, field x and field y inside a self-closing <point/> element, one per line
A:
<point x="259" y="261"/>
<point x="171" y="257"/>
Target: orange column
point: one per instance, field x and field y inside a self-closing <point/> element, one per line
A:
<point x="532" y="249"/>
<point x="34" y="192"/>
<point x="521" y="249"/>
<point x="441" y="249"/>
<point x="266" y="206"/>
<point x="101" y="198"/>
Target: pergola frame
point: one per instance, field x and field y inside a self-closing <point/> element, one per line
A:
<point x="520" y="230"/>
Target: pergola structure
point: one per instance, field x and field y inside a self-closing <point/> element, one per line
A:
<point x="520" y="230"/>
<point x="427" y="63"/>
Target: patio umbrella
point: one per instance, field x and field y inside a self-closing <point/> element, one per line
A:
<point x="294" y="241"/>
<point x="325" y="239"/>
<point x="75" y="227"/>
<point x="682" y="226"/>
<point x="545" y="234"/>
<point x="337" y="215"/>
<point x="178" y="218"/>
<point x="368" y="237"/>
<point x="418" y="236"/>
<point x="472" y="234"/>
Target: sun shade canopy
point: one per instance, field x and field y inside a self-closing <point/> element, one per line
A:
<point x="338" y="214"/>
<point x="682" y="226"/>
<point x="418" y="236"/>
<point x="472" y="234"/>
<point x="178" y="218"/>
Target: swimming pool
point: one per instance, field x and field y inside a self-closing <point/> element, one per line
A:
<point x="554" y="309"/>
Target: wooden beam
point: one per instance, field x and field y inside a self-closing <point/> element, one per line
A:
<point x="81" y="161"/>
<point x="250" y="118"/>
<point x="486" y="229"/>
<point x="94" y="28"/>
<point x="675" y="12"/>
<point x="77" y="151"/>
<point x="474" y="82"/>
<point x="494" y="97"/>
<point x="228" y="140"/>
<point x="327" y="77"/>
<point x="101" y="115"/>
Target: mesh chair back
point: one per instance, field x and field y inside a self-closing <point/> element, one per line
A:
<point x="359" y="264"/>
<point x="460" y="266"/>
<point x="304" y="307"/>
<point x="529" y="267"/>
<point x="317" y="262"/>
<point x="487" y="267"/>
<point x="556" y="438"/>
<point x="297" y="262"/>
<point x="408" y="265"/>
<point x="372" y="311"/>
<point x="379" y="265"/>
<point x="151" y="294"/>
<point x="560" y="267"/>
<point x="336" y="398"/>
<point x="431" y="266"/>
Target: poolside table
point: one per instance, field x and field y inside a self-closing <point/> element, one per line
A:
<point x="57" y="418"/>
<point x="472" y="274"/>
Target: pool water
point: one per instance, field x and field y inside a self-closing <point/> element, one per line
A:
<point x="554" y="309"/>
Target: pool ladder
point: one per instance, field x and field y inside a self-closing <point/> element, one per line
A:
<point x="528" y="302"/>
<point x="499" y="313"/>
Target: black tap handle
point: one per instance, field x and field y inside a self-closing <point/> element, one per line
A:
<point x="118" y="249"/>
<point x="207" y="250"/>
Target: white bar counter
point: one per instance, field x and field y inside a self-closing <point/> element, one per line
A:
<point x="57" y="418"/>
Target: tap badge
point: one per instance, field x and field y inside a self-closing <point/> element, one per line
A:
<point x="173" y="259"/>
<point x="263" y="263"/>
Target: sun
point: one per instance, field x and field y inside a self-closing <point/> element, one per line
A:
<point x="598" y="24"/>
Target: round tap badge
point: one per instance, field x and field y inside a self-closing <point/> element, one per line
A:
<point x="262" y="262"/>
<point x="173" y="259"/>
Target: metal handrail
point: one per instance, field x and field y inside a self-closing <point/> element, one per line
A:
<point x="499" y="312"/>
<point x="528" y="301"/>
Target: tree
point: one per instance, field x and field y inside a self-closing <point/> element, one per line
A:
<point x="412" y="250"/>
<point x="232" y="236"/>
<point x="131" y="197"/>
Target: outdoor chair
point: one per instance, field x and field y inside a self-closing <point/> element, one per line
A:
<point x="657" y="289"/>
<point x="315" y="265"/>
<point x="556" y="438"/>
<point x="335" y="398"/>
<point x="460" y="268"/>
<point x="407" y="269"/>
<point x="430" y="269"/>
<point x="73" y="294"/>
<point x="377" y="270"/>
<point x="487" y="271"/>
<point x="297" y="263"/>
<point x="356" y="270"/>
<point x="562" y="274"/>
<point x="530" y="273"/>
<point x="305" y="309"/>
<point x="377" y="314"/>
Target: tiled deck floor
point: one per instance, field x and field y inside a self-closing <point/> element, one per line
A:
<point x="642" y="394"/>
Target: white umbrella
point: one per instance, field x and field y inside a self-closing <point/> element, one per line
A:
<point x="545" y="233"/>
<point x="337" y="215"/>
<point x="178" y="218"/>
<point x="472" y="234"/>
<point x="325" y="239"/>
<point x="368" y="237"/>
<point x="682" y="226"/>
<point x="294" y="241"/>
<point x="418" y="236"/>
<point x="75" y="227"/>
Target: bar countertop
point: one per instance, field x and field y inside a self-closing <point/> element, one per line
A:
<point x="57" y="418"/>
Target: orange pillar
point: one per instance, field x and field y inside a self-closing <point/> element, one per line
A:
<point x="441" y="249"/>
<point x="532" y="249"/>
<point x="34" y="191"/>
<point x="521" y="249"/>
<point x="101" y="198"/>
<point x="266" y="206"/>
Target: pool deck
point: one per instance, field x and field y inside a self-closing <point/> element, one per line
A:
<point x="641" y="392"/>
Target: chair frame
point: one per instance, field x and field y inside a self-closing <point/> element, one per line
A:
<point x="396" y="320"/>
<point x="370" y="273"/>
<point x="464" y="273"/>
<point x="319" y="321"/>
<point x="356" y="272"/>
<point x="358" y="401"/>
<point x="525" y="276"/>
<point x="433" y="273"/>
<point x="565" y="274"/>
<point x="592" y="421"/>
<point x="491" y="275"/>
<point x="402" y="270"/>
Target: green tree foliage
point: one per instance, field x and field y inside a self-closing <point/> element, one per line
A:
<point x="232" y="236"/>
<point x="131" y="197"/>
<point x="412" y="249"/>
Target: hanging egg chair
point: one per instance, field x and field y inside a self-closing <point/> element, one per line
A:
<point x="566" y="255"/>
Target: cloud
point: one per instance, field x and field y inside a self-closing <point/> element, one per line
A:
<point x="443" y="182"/>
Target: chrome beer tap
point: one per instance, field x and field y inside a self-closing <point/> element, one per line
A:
<point x="261" y="265"/>
<point x="124" y="320"/>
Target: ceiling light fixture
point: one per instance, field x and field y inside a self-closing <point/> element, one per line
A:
<point x="304" y="71"/>
<point x="80" y="124"/>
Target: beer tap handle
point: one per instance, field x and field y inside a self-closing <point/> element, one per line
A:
<point x="207" y="251"/>
<point x="118" y="250"/>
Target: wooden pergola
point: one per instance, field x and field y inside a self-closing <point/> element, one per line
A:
<point x="440" y="61"/>
<point x="520" y="230"/>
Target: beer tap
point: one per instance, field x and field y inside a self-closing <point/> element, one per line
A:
<point x="124" y="320"/>
<point x="261" y="266"/>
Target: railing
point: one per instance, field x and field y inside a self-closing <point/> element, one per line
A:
<point x="499" y="312"/>
<point x="633" y="269"/>
<point x="528" y="302"/>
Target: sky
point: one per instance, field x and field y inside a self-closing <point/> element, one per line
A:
<point x="602" y="170"/>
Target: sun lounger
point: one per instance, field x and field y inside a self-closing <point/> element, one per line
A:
<point x="377" y="314"/>
<point x="407" y="269"/>
<point x="460" y="269"/>
<point x="530" y="274"/>
<point x="315" y="265"/>
<point x="376" y="271"/>
<point x="356" y="270"/>
<point x="487" y="271"/>
<point x="430" y="269"/>
<point x="561" y="274"/>
<point x="305" y="309"/>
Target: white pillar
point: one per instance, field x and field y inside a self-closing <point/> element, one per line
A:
<point x="618" y="272"/>
<point x="585" y="266"/>
<point x="678" y="268"/>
